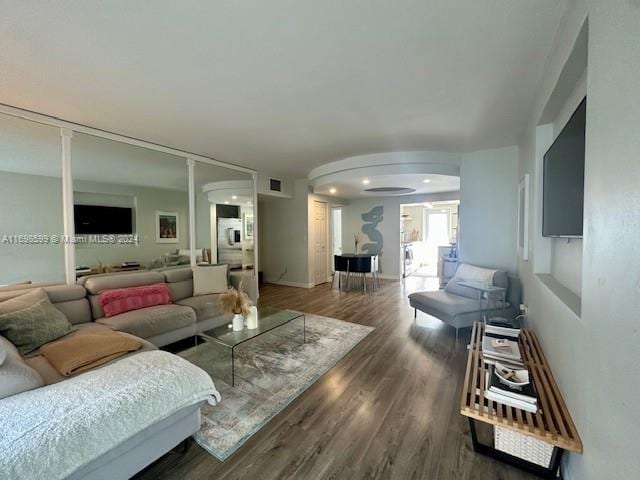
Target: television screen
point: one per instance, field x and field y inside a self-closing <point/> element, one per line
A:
<point x="95" y="219"/>
<point x="563" y="184"/>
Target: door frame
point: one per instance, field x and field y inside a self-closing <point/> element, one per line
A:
<point x="332" y="228"/>
<point x="328" y="243"/>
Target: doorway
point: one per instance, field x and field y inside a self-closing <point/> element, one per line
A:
<point x="336" y="224"/>
<point x="429" y="232"/>
<point x="320" y="238"/>
<point x="437" y="230"/>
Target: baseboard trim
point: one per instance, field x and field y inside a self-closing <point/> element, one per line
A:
<point x="286" y="283"/>
<point x="388" y="276"/>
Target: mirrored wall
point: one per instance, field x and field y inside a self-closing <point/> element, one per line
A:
<point x="130" y="207"/>
<point x="225" y="225"/>
<point x="31" y="216"/>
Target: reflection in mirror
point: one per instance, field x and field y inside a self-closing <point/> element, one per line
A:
<point x="131" y="207"/>
<point x="225" y="215"/>
<point x="31" y="221"/>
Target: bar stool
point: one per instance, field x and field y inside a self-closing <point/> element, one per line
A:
<point x="340" y="267"/>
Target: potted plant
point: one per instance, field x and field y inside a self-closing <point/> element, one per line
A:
<point x="237" y="303"/>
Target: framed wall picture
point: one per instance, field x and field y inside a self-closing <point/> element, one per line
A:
<point x="167" y="227"/>
<point x="523" y="218"/>
<point x="248" y="225"/>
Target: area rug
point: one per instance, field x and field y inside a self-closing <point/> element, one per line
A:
<point x="271" y="371"/>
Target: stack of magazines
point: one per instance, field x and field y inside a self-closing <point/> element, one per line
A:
<point x="500" y="344"/>
<point x="507" y="379"/>
<point x="511" y="387"/>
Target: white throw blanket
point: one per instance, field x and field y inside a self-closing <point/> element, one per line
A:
<point x="52" y="431"/>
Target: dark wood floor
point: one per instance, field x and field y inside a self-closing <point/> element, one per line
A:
<point x="389" y="409"/>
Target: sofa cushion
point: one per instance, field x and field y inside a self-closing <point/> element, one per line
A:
<point x="21" y="300"/>
<point x="121" y="300"/>
<point x="210" y="279"/>
<point x="15" y="375"/>
<point x="205" y="306"/>
<point x="174" y="275"/>
<point x="180" y="290"/>
<point x="471" y="273"/>
<point x="69" y="299"/>
<point x="444" y="302"/>
<point x="95" y="285"/>
<point x="31" y="320"/>
<point x="151" y="321"/>
<point x="77" y="311"/>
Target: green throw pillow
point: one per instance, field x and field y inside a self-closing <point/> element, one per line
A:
<point x="33" y="326"/>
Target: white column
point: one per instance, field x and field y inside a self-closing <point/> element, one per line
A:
<point x="255" y="230"/>
<point x="67" y="206"/>
<point x="192" y="211"/>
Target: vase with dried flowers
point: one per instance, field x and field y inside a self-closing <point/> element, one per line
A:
<point x="236" y="302"/>
<point x="356" y="241"/>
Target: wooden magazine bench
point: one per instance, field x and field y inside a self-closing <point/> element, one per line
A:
<point x="551" y="424"/>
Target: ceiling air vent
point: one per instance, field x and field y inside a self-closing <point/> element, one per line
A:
<point x="275" y="185"/>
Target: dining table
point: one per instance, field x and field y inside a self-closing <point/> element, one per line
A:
<point x="358" y="266"/>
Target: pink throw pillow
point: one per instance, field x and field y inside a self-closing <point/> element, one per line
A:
<point x="121" y="300"/>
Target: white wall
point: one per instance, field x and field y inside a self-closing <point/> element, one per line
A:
<point x="595" y="355"/>
<point x="489" y="208"/>
<point x="283" y="237"/>
<point x="610" y="355"/>
<point x="389" y="227"/>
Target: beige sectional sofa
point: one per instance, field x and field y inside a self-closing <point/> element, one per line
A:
<point x="72" y="301"/>
<point x="164" y="324"/>
<point x="155" y="327"/>
<point x="160" y="325"/>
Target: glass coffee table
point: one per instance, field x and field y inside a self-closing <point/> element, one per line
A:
<point x="225" y="340"/>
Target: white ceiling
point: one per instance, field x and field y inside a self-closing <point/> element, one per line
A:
<point x="353" y="187"/>
<point x="282" y="86"/>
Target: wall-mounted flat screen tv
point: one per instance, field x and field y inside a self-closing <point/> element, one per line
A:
<point x="563" y="184"/>
<point x="96" y="219"/>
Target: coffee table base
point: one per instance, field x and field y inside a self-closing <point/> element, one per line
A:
<point x="232" y="349"/>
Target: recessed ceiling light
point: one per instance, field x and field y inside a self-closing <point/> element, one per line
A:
<point x="332" y="190"/>
<point x="366" y="181"/>
<point x="426" y="180"/>
<point x="226" y="202"/>
<point x="234" y="197"/>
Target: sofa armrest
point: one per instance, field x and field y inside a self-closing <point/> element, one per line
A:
<point x="15" y="375"/>
<point x="249" y="283"/>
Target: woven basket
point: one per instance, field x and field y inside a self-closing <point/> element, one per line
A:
<point x="522" y="446"/>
